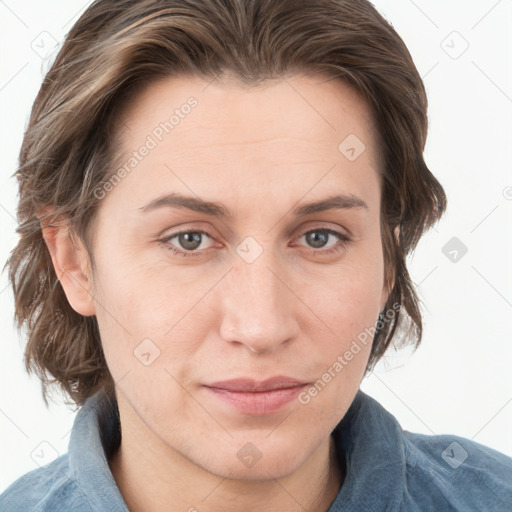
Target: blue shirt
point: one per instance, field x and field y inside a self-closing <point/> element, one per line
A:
<point x="387" y="468"/>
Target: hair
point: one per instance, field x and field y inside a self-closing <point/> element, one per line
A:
<point x="119" y="46"/>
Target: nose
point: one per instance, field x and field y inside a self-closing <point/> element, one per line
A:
<point x="258" y="306"/>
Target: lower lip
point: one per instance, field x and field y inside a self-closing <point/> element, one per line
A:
<point x="261" y="402"/>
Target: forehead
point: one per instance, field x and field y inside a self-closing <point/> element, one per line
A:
<point x="297" y="105"/>
<point x="217" y="138"/>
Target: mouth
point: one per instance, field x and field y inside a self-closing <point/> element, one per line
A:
<point x="252" y="397"/>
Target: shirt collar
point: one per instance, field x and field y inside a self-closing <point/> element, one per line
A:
<point x="95" y="435"/>
<point x="371" y="441"/>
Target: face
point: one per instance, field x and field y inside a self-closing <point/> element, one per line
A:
<point x="189" y="294"/>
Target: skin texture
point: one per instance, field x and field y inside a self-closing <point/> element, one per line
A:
<point x="261" y="152"/>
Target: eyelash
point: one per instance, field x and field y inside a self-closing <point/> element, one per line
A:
<point x="344" y="240"/>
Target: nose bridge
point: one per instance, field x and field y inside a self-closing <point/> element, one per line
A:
<point x="258" y="306"/>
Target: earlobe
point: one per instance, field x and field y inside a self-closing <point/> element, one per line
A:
<point x="397" y="234"/>
<point x="71" y="263"/>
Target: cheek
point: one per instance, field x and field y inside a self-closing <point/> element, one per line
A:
<point x="348" y="305"/>
<point x="351" y="293"/>
<point x="148" y="322"/>
<point x="139" y="296"/>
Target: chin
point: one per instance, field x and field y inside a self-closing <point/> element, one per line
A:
<point x="259" y="459"/>
<point x="262" y="470"/>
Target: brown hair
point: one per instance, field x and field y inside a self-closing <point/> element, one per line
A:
<point x="118" y="46"/>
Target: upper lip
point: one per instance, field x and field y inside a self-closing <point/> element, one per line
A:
<point x="247" y="385"/>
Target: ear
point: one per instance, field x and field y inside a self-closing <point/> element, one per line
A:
<point x="70" y="261"/>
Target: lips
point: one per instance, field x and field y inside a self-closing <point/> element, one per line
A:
<point x="247" y="385"/>
<point x="249" y="396"/>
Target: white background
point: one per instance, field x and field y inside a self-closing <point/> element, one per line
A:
<point x="458" y="381"/>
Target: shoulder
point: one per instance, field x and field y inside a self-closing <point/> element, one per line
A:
<point x="49" y="488"/>
<point x="463" y="472"/>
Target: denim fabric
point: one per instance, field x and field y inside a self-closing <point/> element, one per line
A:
<point x="388" y="469"/>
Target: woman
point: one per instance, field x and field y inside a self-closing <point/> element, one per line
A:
<point x="217" y="199"/>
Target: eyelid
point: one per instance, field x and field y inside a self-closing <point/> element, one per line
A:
<point x="321" y="226"/>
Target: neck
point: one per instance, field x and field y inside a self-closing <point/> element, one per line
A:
<point x="153" y="477"/>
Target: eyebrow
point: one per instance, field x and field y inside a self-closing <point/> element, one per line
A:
<point x="175" y="200"/>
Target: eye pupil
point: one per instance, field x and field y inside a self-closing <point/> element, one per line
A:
<point x="314" y="236"/>
<point x="190" y="240"/>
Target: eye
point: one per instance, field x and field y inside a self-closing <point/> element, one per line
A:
<point x="190" y="241"/>
<point x="318" y="237"/>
